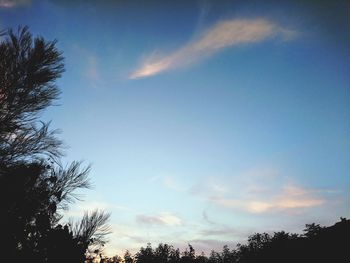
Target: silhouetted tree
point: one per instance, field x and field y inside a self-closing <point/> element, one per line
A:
<point x="145" y="255"/>
<point x="34" y="187"/>
<point x="92" y="230"/>
<point x="188" y="255"/>
<point x="325" y="244"/>
<point x="28" y="70"/>
<point x="128" y="257"/>
<point x="227" y="255"/>
<point x="174" y="255"/>
<point x="312" y="230"/>
<point x="201" y="258"/>
<point x="162" y="253"/>
<point x="214" y="257"/>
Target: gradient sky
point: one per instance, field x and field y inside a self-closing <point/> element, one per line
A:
<point x="204" y="121"/>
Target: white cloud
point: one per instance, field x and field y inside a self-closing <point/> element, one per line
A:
<point x="260" y="192"/>
<point x="223" y="35"/>
<point x="13" y="3"/>
<point x="165" y="219"/>
<point x="297" y="197"/>
<point x="287" y="198"/>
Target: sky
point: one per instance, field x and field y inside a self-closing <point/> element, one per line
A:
<point x="204" y="121"/>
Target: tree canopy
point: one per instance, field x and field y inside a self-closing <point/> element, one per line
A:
<point x="316" y="244"/>
<point x="35" y="188"/>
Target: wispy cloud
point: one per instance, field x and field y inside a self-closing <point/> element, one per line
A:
<point x="92" y="71"/>
<point x="91" y="67"/>
<point x="206" y="218"/>
<point x="223" y="35"/>
<point x="283" y="201"/>
<point x="220" y="232"/>
<point x="13" y="3"/>
<point x="291" y="197"/>
<point x="164" y="219"/>
<point x="262" y="192"/>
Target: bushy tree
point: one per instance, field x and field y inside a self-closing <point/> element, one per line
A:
<point x="34" y="187"/>
<point x="128" y="258"/>
<point x="145" y="255"/>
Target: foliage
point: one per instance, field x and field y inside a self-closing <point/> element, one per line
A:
<point x="317" y="244"/>
<point x="34" y="187"/>
<point x="28" y="70"/>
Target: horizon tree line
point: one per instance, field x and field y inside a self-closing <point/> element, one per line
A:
<point x="316" y="244"/>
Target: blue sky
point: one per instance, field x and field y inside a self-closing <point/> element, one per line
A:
<point x="204" y="121"/>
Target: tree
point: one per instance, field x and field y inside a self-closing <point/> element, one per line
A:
<point x="228" y="255"/>
<point x="128" y="257"/>
<point x="174" y="255"/>
<point x="215" y="257"/>
<point x="329" y="245"/>
<point x="28" y="70"/>
<point x="189" y="255"/>
<point x="312" y="230"/>
<point x="145" y="255"/>
<point x="162" y="253"/>
<point x="34" y="187"/>
<point x="201" y="258"/>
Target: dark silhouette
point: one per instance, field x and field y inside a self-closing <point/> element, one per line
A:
<point x="317" y="244"/>
<point x="34" y="187"/>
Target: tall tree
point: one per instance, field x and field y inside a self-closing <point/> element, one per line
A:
<point x="34" y="187"/>
<point x="28" y="70"/>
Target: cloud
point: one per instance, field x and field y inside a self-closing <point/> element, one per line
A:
<point x="209" y="186"/>
<point x="222" y="231"/>
<point x="206" y="218"/>
<point x="223" y="35"/>
<point x="260" y="191"/>
<point x="14" y="3"/>
<point x="290" y="197"/>
<point x="92" y="71"/>
<point x="164" y="219"/>
<point x="89" y="64"/>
